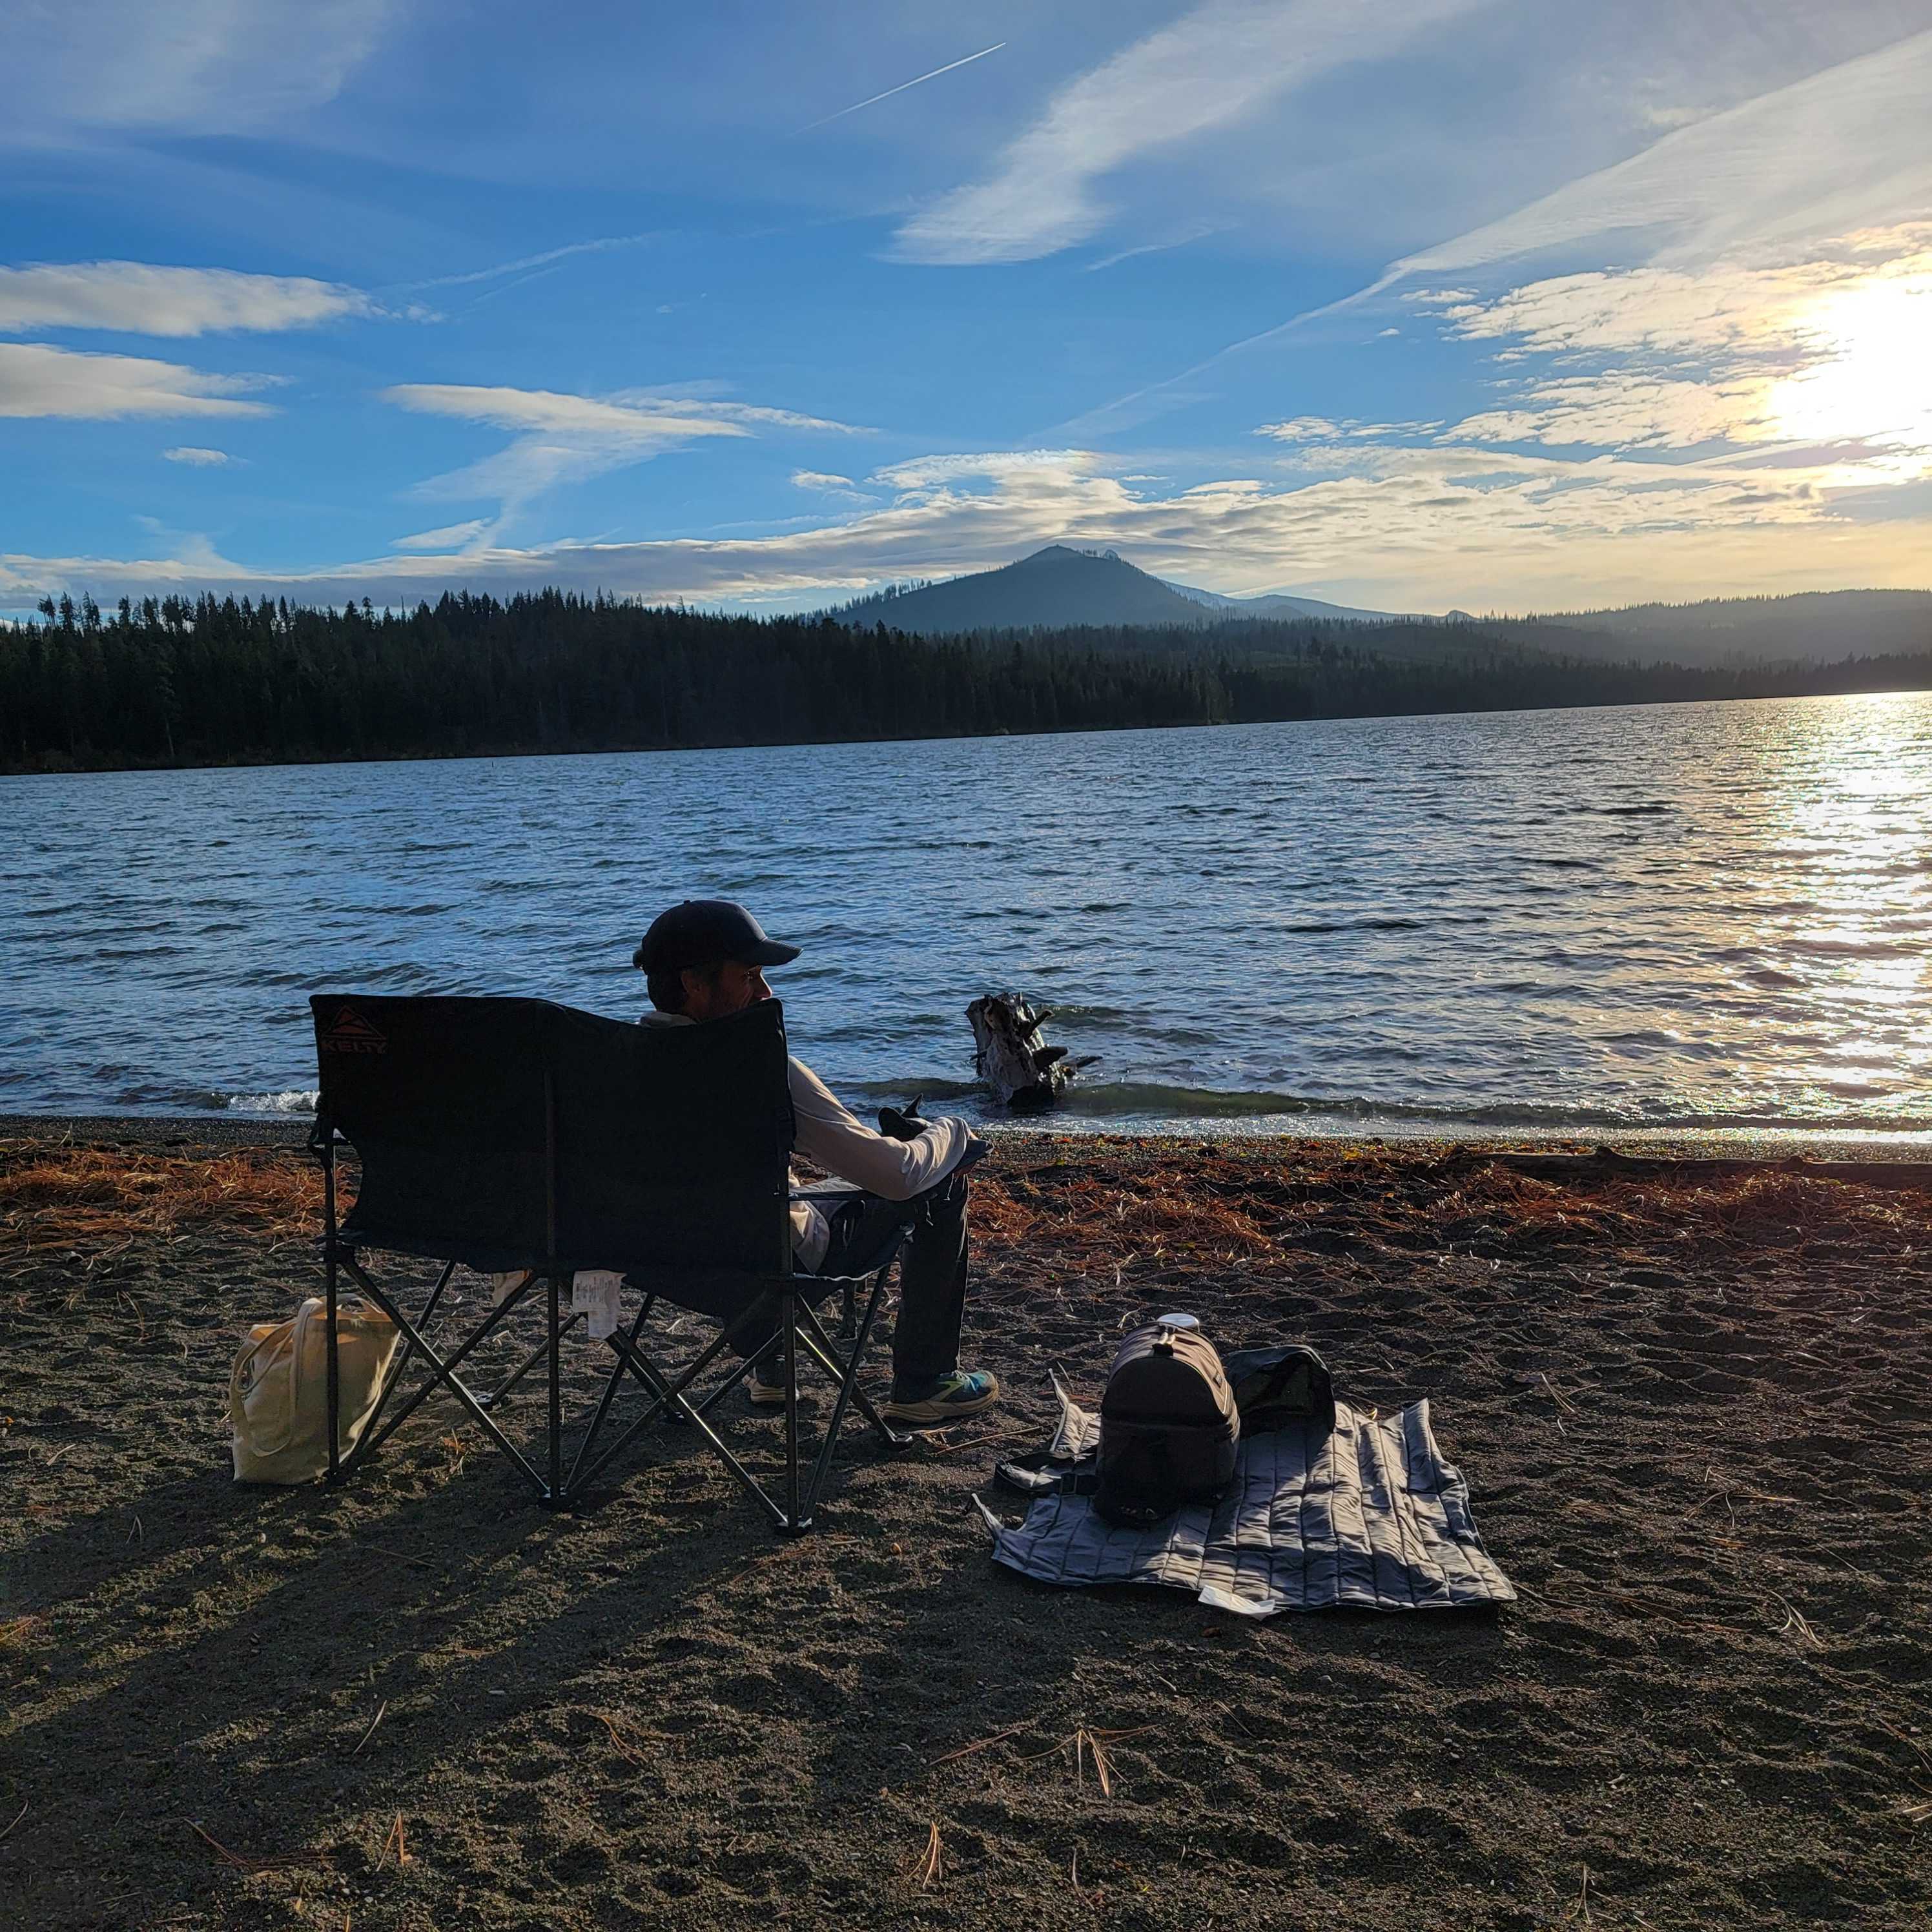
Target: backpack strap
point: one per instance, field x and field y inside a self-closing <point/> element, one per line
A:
<point x="1042" y="1474"/>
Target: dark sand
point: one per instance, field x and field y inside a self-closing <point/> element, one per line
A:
<point x="1694" y="1407"/>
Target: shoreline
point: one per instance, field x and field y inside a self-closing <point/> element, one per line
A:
<point x="1719" y="1148"/>
<point x="1914" y="685"/>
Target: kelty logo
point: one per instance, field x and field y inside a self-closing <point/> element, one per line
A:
<point x="350" y="1032"/>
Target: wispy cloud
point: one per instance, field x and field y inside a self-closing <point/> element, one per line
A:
<point x="639" y="414"/>
<point x="1847" y="148"/>
<point x="36" y="380"/>
<point x="192" y="63"/>
<point x="138" y="299"/>
<point x="561" y="438"/>
<point x="824" y="483"/>
<point x="451" y="537"/>
<point x="1764" y="301"/>
<point x="1826" y="349"/>
<point x="1402" y="527"/>
<point x="885" y="94"/>
<point x="1322" y="429"/>
<point x="1210" y="69"/>
<point x="923" y="473"/>
<point x="1623" y="412"/>
<point x="547" y="412"/>
<point x="197" y="458"/>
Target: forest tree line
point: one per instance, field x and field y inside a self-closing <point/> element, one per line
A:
<point x="177" y="681"/>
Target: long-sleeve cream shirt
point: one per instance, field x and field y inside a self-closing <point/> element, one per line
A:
<point x="828" y="1135"/>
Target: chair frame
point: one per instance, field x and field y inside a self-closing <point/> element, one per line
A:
<point x="800" y="1338"/>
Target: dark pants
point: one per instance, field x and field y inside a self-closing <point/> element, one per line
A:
<point x="932" y="1275"/>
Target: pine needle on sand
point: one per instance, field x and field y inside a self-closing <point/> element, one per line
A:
<point x="1086" y="1745"/>
<point x="17" y="1633"/>
<point x="242" y="1862"/>
<point x="927" y="1866"/>
<point x="93" y="1198"/>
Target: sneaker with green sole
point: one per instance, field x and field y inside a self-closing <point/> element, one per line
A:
<point x="964" y="1392"/>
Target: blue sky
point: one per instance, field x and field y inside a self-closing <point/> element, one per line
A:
<point x="1416" y="305"/>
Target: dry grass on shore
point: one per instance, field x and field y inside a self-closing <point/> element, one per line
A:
<point x="95" y="1200"/>
<point x="1100" y="1204"/>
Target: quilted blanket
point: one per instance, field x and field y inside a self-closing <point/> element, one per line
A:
<point x="1367" y="1516"/>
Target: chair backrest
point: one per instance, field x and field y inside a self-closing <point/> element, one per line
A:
<point x="507" y="1133"/>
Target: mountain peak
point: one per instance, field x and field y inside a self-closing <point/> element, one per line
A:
<point x="1059" y="587"/>
<point x="1053" y="588"/>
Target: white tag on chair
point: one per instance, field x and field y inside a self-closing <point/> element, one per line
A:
<point x="594" y="1293"/>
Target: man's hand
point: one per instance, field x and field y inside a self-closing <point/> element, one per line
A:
<point x="903" y="1123"/>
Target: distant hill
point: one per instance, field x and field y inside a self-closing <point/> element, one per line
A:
<point x="1053" y="588"/>
<point x="1810" y="627"/>
<point x="1282" y="608"/>
<point x="1059" y="587"/>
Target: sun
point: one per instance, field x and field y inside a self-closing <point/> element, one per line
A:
<point x="1869" y="375"/>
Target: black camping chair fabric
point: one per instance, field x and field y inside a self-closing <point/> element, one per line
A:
<point x="513" y="1135"/>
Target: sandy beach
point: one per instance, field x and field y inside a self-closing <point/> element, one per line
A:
<point x="1693" y="1403"/>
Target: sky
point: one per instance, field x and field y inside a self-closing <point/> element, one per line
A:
<point x="1412" y="305"/>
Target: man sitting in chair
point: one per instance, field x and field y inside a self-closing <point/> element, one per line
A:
<point x="705" y="960"/>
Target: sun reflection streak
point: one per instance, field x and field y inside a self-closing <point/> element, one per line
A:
<point x="1848" y="884"/>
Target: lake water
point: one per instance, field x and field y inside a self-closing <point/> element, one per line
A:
<point x="1672" y="918"/>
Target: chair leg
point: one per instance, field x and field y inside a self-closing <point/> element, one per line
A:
<point x="820" y="1343"/>
<point x="333" y="1344"/>
<point x="555" y="1496"/>
<point x="609" y="1395"/>
<point x="663" y="1395"/>
<point x="529" y="1362"/>
<point x="799" y="1333"/>
<point x="393" y="1381"/>
<point x="332" y="1347"/>
<point x="445" y="1374"/>
<point x="373" y="1438"/>
<point x="849" y="1390"/>
<point x="793" y="1524"/>
<point x="642" y="1370"/>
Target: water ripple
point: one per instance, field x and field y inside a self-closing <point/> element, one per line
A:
<point x="1703" y="915"/>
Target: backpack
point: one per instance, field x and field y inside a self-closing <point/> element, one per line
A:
<point x="1169" y="1427"/>
<point x="1274" y="1387"/>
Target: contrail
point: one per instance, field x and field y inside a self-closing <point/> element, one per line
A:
<point x="902" y="86"/>
<point x="596" y="247"/>
<point x="1387" y="279"/>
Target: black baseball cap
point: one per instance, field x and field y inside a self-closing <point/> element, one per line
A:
<point x="696" y="932"/>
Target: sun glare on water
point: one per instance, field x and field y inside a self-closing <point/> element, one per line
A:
<point x="1849" y="909"/>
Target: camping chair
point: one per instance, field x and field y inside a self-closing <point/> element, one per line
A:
<point x="513" y="1136"/>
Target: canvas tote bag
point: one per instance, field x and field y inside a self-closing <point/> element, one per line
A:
<point x="278" y="1389"/>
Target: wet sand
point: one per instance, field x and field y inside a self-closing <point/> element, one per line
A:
<point x="1693" y="1404"/>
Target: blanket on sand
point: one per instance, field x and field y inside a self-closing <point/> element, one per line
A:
<point x="1367" y="1516"/>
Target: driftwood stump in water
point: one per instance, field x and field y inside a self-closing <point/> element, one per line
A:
<point x="1024" y="1073"/>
